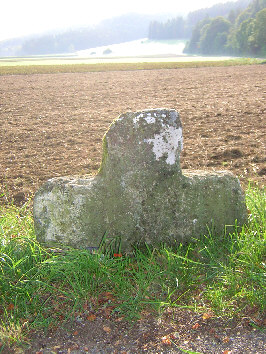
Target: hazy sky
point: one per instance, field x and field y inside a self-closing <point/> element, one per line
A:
<point x="20" y="17"/>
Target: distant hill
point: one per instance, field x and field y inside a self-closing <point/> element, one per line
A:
<point x="111" y="31"/>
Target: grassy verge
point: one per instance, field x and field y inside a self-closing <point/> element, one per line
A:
<point x="21" y="69"/>
<point x="41" y="288"/>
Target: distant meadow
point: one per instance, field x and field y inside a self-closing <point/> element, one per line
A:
<point x="133" y="55"/>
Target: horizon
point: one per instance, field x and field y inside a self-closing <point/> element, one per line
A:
<point x="37" y="17"/>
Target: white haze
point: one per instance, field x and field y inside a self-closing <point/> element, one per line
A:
<point x="24" y="17"/>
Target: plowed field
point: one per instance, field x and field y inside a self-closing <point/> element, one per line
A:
<point x="53" y="124"/>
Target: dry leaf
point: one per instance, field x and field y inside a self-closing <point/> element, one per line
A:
<point x="91" y="317"/>
<point x="226" y="340"/>
<point x="75" y="333"/>
<point x="166" y="340"/>
<point x="119" y="319"/>
<point x="10" y="307"/>
<point x="196" y="326"/>
<point x="206" y="316"/>
<point x="106" y="329"/>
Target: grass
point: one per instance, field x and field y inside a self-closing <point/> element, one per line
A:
<point x="41" y="288"/>
<point x="19" y="67"/>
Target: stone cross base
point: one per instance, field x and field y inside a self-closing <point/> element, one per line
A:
<point x="140" y="194"/>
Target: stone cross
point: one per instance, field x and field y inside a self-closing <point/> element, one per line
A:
<point x="140" y="193"/>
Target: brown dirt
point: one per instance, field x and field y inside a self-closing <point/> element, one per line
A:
<point x="175" y="330"/>
<point x="53" y="124"/>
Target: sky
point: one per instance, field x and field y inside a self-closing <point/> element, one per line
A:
<point x="23" y="17"/>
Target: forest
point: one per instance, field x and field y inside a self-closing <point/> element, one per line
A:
<point x="239" y="33"/>
<point x="182" y="28"/>
<point x="234" y="28"/>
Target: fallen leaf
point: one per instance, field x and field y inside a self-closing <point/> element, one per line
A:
<point x="91" y="317"/>
<point x="75" y="333"/>
<point x="206" y="316"/>
<point x="226" y="352"/>
<point x="226" y="340"/>
<point x="196" y="326"/>
<point x="166" y="340"/>
<point x="106" y="329"/>
<point x="10" y="307"/>
<point x="119" y="319"/>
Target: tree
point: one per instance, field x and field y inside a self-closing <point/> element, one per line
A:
<point x="214" y="36"/>
<point x="193" y="45"/>
<point x="243" y="34"/>
<point x="172" y="29"/>
<point x="249" y="37"/>
<point x="260" y="31"/>
<point x="154" y="30"/>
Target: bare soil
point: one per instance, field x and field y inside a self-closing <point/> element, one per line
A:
<point x="176" y="329"/>
<point x="53" y="124"/>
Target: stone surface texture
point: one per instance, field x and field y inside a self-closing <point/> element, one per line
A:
<point x="139" y="194"/>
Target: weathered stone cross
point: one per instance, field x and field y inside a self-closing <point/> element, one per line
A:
<point x="139" y="193"/>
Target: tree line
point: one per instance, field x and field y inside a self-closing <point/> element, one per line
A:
<point x="233" y="28"/>
<point x="241" y="33"/>
<point x="180" y="28"/>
